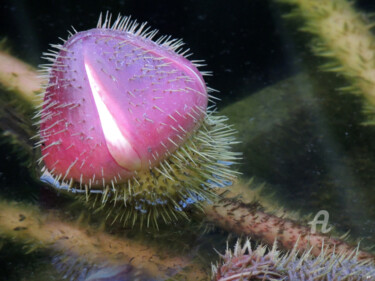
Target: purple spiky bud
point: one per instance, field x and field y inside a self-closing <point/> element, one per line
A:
<point x="117" y="103"/>
<point x="126" y="117"/>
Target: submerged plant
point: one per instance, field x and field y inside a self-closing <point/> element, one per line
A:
<point x="344" y="37"/>
<point x="158" y="182"/>
<point x="260" y="263"/>
<point x="127" y="117"/>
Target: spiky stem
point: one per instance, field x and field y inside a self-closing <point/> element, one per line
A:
<point x="342" y="35"/>
<point x="248" y="263"/>
<point x="28" y="225"/>
<point x="250" y="219"/>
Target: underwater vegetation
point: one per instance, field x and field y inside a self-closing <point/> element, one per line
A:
<point x="344" y="37"/>
<point x="147" y="143"/>
<point x="232" y="208"/>
<point x="247" y="263"/>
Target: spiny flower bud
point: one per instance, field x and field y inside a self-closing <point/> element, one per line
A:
<point x="126" y="117"/>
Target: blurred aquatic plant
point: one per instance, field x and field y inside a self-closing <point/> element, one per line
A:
<point x="233" y="214"/>
<point x="17" y="76"/>
<point x="344" y="37"/>
<point x="92" y="247"/>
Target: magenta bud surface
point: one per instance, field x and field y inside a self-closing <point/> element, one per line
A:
<point x="125" y="121"/>
<point x="117" y="103"/>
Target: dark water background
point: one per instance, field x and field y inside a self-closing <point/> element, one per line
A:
<point x="248" y="46"/>
<point x="240" y="40"/>
<point x="244" y="42"/>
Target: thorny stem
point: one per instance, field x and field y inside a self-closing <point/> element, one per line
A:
<point x="26" y="223"/>
<point x="342" y="35"/>
<point x="250" y="219"/>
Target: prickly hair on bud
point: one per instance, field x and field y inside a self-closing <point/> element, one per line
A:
<point x="261" y="263"/>
<point x="125" y="121"/>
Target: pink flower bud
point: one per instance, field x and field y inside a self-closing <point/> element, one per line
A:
<point x="127" y="116"/>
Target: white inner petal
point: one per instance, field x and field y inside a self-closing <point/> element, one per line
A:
<point x="117" y="144"/>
